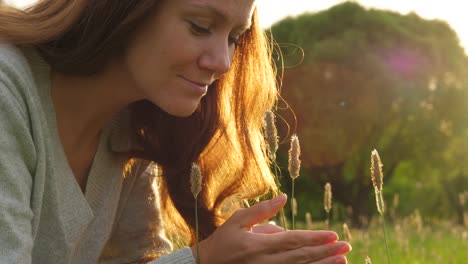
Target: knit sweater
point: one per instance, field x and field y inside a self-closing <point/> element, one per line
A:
<point x="44" y="215"/>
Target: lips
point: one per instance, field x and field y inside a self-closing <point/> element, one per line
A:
<point x="199" y="83"/>
<point x="200" y="88"/>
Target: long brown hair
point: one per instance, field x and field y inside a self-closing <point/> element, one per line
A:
<point x="224" y="135"/>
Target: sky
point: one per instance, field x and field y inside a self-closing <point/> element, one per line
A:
<point x="270" y="11"/>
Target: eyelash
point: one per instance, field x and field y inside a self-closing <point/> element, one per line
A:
<point x="198" y="30"/>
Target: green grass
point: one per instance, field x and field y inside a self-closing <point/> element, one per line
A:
<point x="408" y="243"/>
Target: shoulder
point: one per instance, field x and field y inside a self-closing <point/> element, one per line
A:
<point x="17" y="84"/>
<point x="15" y="107"/>
<point x="13" y="62"/>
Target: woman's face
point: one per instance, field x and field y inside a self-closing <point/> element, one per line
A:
<point x="183" y="48"/>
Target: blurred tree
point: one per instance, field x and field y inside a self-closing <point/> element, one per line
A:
<point x="378" y="79"/>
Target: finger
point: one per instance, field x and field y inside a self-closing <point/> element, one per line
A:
<point x="314" y="254"/>
<point x="267" y="229"/>
<point x="340" y="259"/>
<point x="248" y="217"/>
<point x="293" y="239"/>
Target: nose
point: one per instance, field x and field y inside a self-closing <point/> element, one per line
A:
<point x="216" y="58"/>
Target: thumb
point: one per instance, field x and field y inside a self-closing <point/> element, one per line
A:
<point x="257" y="213"/>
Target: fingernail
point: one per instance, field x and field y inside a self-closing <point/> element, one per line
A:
<point x="278" y="199"/>
<point x="332" y="237"/>
<point x="343" y="248"/>
<point x="340" y="260"/>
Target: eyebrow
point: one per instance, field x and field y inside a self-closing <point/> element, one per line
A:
<point x="219" y="14"/>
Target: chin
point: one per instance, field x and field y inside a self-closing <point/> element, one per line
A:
<point x="179" y="107"/>
<point x="181" y="112"/>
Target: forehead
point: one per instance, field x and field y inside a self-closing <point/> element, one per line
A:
<point x="236" y="11"/>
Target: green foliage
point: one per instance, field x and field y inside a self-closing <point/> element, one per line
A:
<point x="410" y="240"/>
<point x="378" y="79"/>
<point x="435" y="243"/>
<point x="350" y="31"/>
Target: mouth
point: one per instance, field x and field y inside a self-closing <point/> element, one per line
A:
<point x="202" y="83"/>
<point x="199" y="87"/>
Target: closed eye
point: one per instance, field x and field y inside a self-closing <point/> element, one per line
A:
<point x="199" y="30"/>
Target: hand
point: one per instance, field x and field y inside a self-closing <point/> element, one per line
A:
<point x="238" y="241"/>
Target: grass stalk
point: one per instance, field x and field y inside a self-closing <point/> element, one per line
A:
<point x="327" y="201"/>
<point x="294" y="165"/>
<point x="196" y="231"/>
<point x="282" y="215"/>
<point x="385" y="239"/>
<point x="377" y="182"/>
<point x="293" y="224"/>
<point x="196" y="182"/>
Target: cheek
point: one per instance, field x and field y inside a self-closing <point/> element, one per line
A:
<point x="160" y="54"/>
<point x="141" y="70"/>
<point x="145" y="60"/>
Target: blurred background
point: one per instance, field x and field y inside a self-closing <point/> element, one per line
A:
<point x="375" y="74"/>
<point x="359" y="75"/>
<point x="385" y="75"/>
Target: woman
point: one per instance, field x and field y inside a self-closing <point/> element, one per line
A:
<point x="95" y="93"/>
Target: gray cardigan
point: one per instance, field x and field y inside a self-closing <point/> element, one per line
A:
<point x="44" y="215"/>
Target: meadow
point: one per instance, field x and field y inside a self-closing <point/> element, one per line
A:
<point x="410" y="240"/>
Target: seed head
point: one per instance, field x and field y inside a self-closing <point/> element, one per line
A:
<point x="368" y="260"/>
<point x="308" y="218"/>
<point x="376" y="171"/>
<point x="462" y="198"/>
<point x="396" y="200"/>
<point x="195" y="180"/>
<point x="346" y="232"/>
<point x="271" y="133"/>
<point x="377" y="180"/>
<point x="465" y="219"/>
<point x="294" y="161"/>
<point x="327" y="198"/>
